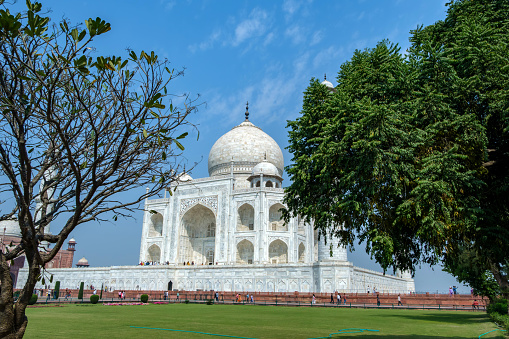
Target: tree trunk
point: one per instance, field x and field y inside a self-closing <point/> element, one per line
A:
<point x="502" y="281"/>
<point x="13" y="321"/>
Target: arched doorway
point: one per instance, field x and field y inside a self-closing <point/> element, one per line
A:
<point x="276" y="223"/>
<point x="278" y="252"/>
<point x="245" y="220"/>
<point x="156" y="225"/>
<point x="197" y="236"/>
<point x="245" y="252"/>
<point x="154" y="253"/>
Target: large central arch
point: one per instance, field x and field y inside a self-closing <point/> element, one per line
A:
<point x="197" y="236"/>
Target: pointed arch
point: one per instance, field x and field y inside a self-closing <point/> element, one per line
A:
<point x="197" y="235"/>
<point x="245" y="252"/>
<point x="154" y="253"/>
<point x="302" y="253"/>
<point x="155" y="225"/>
<point x="278" y="252"/>
<point x="276" y="223"/>
<point x="245" y="218"/>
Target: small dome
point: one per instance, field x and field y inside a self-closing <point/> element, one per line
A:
<point x="184" y="177"/>
<point x="72" y="241"/>
<point x="82" y="262"/>
<point x="328" y="84"/>
<point x="265" y="168"/>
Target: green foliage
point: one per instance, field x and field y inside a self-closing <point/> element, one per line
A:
<point x="56" y="291"/>
<point x="186" y="301"/>
<point x="80" y="293"/>
<point x="470" y="269"/>
<point x="408" y="153"/>
<point x="144" y="298"/>
<point x="94" y="298"/>
<point x="210" y="301"/>
<point x="498" y="305"/>
<point x="502" y="320"/>
<point x="33" y="299"/>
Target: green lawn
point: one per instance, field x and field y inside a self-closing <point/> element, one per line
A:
<point x="98" y="321"/>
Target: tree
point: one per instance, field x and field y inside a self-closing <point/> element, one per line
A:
<point x="76" y="131"/>
<point x="411" y="153"/>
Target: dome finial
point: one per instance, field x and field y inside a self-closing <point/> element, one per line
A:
<point x="324" y="76"/>
<point x="247" y="110"/>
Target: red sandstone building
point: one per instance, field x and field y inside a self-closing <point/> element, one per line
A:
<point x="10" y="236"/>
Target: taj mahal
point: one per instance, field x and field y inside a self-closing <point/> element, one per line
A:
<point x="225" y="233"/>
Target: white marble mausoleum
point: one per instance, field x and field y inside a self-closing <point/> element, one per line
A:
<point x="225" y="232"/>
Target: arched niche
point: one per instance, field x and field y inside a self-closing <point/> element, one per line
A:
<point x="302" y="253"/>
<point x="275" y="221"/>
<point x="300" y="226"/>
<point x="197" y="236"/>
<point x="245" y="218"/>
<point x="245" y="252"/>
<point x="154" y="253"/>
<point x="278" y="252"/>
<point x="155" y="225"/>
<point x="269" y="184"/>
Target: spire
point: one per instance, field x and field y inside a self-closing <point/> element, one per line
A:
<point x="247" y="111"/>
<point x="324" y="76"/>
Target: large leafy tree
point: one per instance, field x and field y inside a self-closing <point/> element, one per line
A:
<point x="75" y="131"/>
<point x="410" y="153"/>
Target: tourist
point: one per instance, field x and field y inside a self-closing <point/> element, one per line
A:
<point x="120" y="295"/>
<point x="339" y="298"/>
<point x="331" y="298"/>
<point x="165" y="295"/>
<point x="48" y="295"/>
<point x="475" y="305"/>
<point x="344" y="299"/>
<point x="399" y="300"/>
<point x="247" y="297"/>
<point x="454" y="289"/>
<point x="378" y="299"/>
<point x="95" y="292"/>
<point x="252" y="298"/>
<point x="313" y="300"/>
<point x="217" y="296"/>
<point x="450" y="291"/>
<point x="178" y="296"/>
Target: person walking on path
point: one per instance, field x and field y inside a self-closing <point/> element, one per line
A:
<point x="331" y="298"/>
<point x="313" y="300"/>
<point x="339" y="299"/>
<point x="344" y="299"/>
<point x="377" y="299"/>
<point x="178" y="296"/>
<point x="399" y="300"/>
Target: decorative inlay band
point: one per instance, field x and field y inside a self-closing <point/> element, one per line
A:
<point x="210" y="202"/>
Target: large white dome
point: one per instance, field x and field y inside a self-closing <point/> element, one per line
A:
<point x="246" y="145"/>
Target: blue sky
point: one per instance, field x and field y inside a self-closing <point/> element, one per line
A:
<point x="264" y="52"/>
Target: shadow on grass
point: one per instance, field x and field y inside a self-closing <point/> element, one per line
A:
<point x="456" y="318"/>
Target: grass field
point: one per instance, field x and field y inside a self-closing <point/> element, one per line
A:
<point x="248" y="321"/>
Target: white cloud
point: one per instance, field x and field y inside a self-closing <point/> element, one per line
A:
<point x="296" y="33"/>
<point x="168" y="4"/>
<point x="208" y="43"/>
<point x="256" y="25"/>
<point x="316" y="38"/>
<point x="291" y="6"/>
<point x="326" y="56"/>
